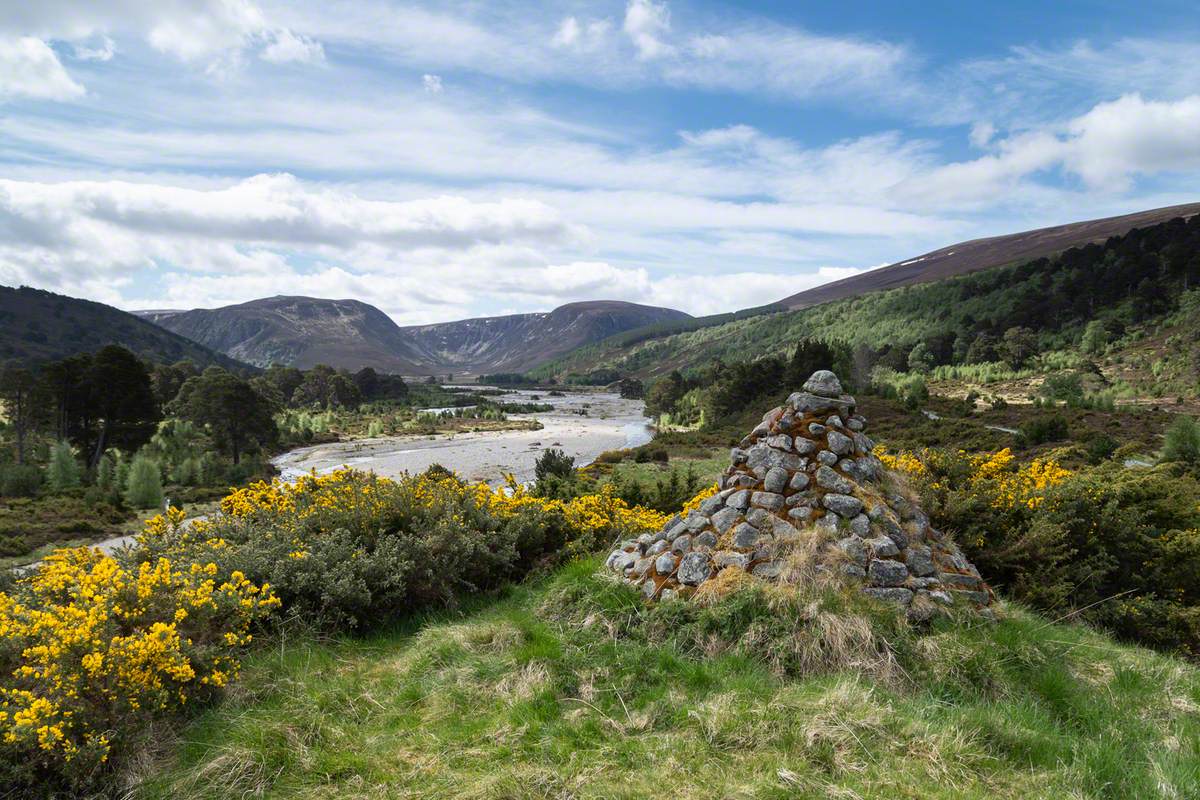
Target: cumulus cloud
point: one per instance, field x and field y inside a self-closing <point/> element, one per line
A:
<point x="567" y="34"/>
<point x="57" y="234"/>
<point x="215" y="32"/>
<point x="645" y="23"/>
<point x="1114" y="141"/>
<point x="581" y="37"/>
<point x="104" y="50"/>
<point x="285" y="46"/>
<point x="29" y="68"/>
<point x="432" y="83"/>
<point x="1107" y="148"/>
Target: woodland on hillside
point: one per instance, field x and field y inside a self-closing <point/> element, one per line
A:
<point x="1083" y="301"/>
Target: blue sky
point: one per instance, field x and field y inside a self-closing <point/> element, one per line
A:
<point x="459" y="159"/>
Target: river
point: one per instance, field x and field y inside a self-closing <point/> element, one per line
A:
<point x="610" y="423"/>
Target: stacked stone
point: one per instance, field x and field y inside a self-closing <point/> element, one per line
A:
<point x="808" y="465"/>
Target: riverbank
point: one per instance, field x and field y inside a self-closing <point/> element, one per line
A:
<point x="581" y="424"/>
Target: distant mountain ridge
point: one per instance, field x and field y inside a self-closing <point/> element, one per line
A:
<point x="518" y="342"/>
<point x="37" y="325"/>
<point x="297" y="331"/>
<point x="979" y="254"/>
<point x="304" y="331"/>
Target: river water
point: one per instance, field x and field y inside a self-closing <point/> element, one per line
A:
<point x="610" y="423"/>
<point x="581" y="424"/>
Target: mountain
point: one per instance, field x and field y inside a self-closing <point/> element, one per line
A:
<point x="518" y="342"/>
<point x="304" y="331"/>
<point x="36" y="325"/>
<point x="980" y="254"/>
<point x="298" y="331"/>
<point x="1133" y="289"/>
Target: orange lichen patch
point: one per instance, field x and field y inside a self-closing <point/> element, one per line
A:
<point x="727" y="581"/>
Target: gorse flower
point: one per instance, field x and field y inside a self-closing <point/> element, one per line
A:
<point x="701" y="496"/>
<point x="90" y="646"/>
<point x="994" y="475"/>
<point x="88" y="643"/>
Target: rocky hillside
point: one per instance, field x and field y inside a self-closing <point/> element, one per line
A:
<point x="304" y="331"/>
<point x="298" y="331"/>
<point x="37" y="325"/>
<point x="522" y="341"/>
<point x="979" y="254"/>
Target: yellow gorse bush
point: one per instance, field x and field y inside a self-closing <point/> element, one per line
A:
<point x="701" y="496"/>
<point x="1006" y="484"/>
<point x="352" y="499"/>
<point x="86" y="642"/>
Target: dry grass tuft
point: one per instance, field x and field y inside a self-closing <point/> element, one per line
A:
<point x="727" y="581"/>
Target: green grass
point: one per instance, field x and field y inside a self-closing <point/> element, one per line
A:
<point x="570" y="687"/>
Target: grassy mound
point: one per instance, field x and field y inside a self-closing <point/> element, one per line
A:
<point x="571" y="687"/>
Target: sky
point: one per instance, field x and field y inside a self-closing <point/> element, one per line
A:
<point x="449" y="160"/>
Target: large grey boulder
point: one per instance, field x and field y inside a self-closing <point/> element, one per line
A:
<point x="694" y="568"/>
<point x="823" y="383"/>
<point x="828" y="478"/>
<point x="843" y="505"/>
<point x="885" y="572"/>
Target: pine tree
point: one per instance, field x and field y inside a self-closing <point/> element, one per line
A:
<point x="63" y="471"/>
<point x="144" y="487"/>
<point x="106" y="475"/>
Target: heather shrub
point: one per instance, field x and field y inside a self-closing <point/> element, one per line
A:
<point x="1040" y="430"/>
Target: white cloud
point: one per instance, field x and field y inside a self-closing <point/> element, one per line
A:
<point x="432" y="83"/>
<point x="567" y="34"/>
<point x="29" y="68"/>
<point x="1107" y="147"/>
<point x="64" y="233"/>
<point x="104" y="51"/>
<point x="1132" y="136"/>
<point x="216" y="33"/>
<point x="981" y="134"/>
<point x="286" y="46"/>
<point x="645" y="24"/>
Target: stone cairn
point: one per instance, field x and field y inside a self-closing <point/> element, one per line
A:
<point x="807" y="470"/>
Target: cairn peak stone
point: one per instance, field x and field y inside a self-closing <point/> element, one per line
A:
<point x="823" y="383"/>
<point x="806" y="477"/>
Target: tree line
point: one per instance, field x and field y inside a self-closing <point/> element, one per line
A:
<point x="111" y="400"/>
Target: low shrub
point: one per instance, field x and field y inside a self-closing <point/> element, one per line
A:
<point x="665" y="494"/>
<point x="554" y="463"/>
<point x="1116" y="547"/>
<point x="1101" y="447"/>
<point x="1040" y="430"/>
<point x="90" y="650"/>
<point x="1183" y="442"/>
<point x="29" y="523"/>
<point x="351" y="548"/>
<point x="20" y="480"/>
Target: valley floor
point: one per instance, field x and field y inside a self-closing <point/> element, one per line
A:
<point x="569" y="687"/>
<point x="582" y="424"/>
